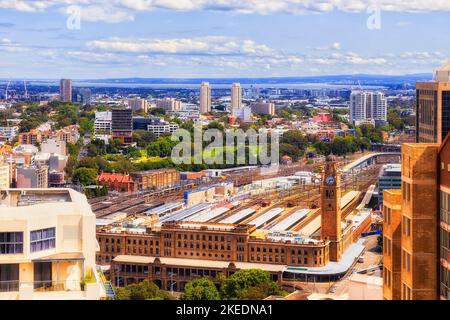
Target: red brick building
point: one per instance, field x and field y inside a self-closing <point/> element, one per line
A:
<point x="117" y="181"/>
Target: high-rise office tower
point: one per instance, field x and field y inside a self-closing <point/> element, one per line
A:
<point x="368" y="105"/>
<point x="122" y="124"/>
<point x="205" y="97"/>
<point x="236" y="96"/>
<point x="65" y="90"/>
<point x="433" y="107"/>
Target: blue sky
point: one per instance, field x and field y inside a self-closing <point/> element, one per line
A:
<point x="205" y="38"/>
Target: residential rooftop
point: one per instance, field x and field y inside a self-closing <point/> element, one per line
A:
<point x="28" y="197"/>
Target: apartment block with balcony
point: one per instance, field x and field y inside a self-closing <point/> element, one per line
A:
<point x="47" y="246"/>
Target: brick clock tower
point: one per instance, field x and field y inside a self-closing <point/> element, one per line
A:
<point x="331" y="207"/>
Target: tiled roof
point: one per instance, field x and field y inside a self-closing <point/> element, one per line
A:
<point x="114" y="177"/>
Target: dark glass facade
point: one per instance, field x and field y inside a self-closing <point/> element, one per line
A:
<point x="445" y="114"/>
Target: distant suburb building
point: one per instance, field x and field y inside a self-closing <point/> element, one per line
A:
<point x="138" y="105"/>
<point x="205" y="98"/>
<point x="65" y="90"/>
<point x="236" y="96"/>
<point x="169" y="104"/>
<point x="47" y="245"/>
<point x="81" y="95"/>
<point x="264" y="108"/>
<point x="366" y="105"/>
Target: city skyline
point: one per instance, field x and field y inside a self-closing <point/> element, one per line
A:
<point x="42" y="39"/>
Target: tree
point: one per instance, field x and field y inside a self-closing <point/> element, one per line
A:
<point x="260" y="291"/>
<point x="249" y="282"/>
<point x="143" y="138"/>
<point x="291" y="150"/>
<point x="123" y="165"/>
<point x="372" y="133"/>
<point x="132" y="153"/>
<point x="86" y="126"/>
<point x="85" y="176"/>
<point x="201" y="289"/>
<point x="158" y="112"/>
<point x="161" y="147"/>
<point x="144" y="290"/>
<point x="88" y="162"/>
<point x="295" y="138"/>
<point x="215" y="125"/>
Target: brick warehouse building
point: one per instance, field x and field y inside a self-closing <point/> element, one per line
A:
<point x="155" y="179"/>
<point x="180" y="251"/>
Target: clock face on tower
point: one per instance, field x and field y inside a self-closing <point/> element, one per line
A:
<point x="329" y="180"/>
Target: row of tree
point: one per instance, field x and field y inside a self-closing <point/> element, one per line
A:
<point x="245" y="284"/>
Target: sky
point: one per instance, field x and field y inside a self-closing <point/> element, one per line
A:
<point x="95" y="39"/>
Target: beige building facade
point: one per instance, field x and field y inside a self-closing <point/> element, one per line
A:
<point x="47" y="245"/>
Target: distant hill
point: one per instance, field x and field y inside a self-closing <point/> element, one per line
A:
<point x="335" y="79"/>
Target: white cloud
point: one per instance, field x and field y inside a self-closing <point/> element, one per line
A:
<point x="336" y="46"/>
<point x="124" y="10"/>
<point x="213" y="45"/>
<point x="10" y="46"/>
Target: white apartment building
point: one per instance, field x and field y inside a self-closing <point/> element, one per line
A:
<point x="205" y="97"/>
<point x="236" y="96"/>
<point x="169" y="104"/>
<point x="244" y="114"/>
<point x="9" y="133"/>
<point x="162" y="128"/>
<point x="47" y="246"/>
<point x="102" y="125"/>
<point x="378" y="106"/>
<point x="368" y="105"/>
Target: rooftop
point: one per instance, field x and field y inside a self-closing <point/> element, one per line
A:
<point x="28" y="197"/>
